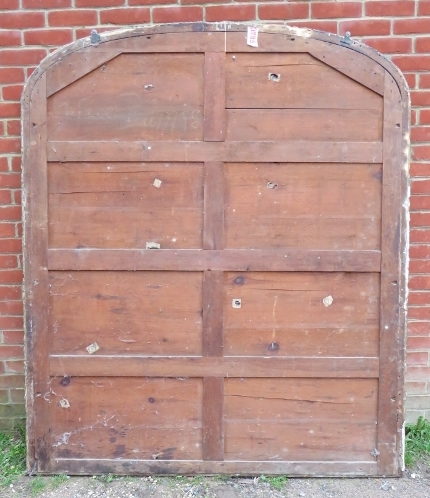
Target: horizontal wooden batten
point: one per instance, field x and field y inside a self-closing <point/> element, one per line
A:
<point x="195" y="366"/>
<point x="192" y="151"/>
<point x="81" y="466"/>
<point x="204" y="260"/>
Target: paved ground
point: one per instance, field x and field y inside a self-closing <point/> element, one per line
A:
<point x="414" y="484"/>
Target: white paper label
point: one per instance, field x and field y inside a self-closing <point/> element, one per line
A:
<point x="92" y="348"/>
<point x="157" y="183"/>
<point x="252" y="36"/>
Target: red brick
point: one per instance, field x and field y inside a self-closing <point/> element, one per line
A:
<point x="177" y="14"/>
<point x="21" y="57"/>
<point x="9" y="110"/>
<point x="412" y="358"/>
<point x="11" y="75"/>
<point x="421" y="251"/>
<point x="411" y="79"/>
<point x="48" y="37"/>
<point x="17" y="196"/>
<point x="419" y="282"/>
<point x="189" y="2"/>
<point x="414" y="117"/>
<point x="13" y="336"/>
<point x="29" y="71"/>
<point x="418" y="236"/>
<point x="4" y="393"/>
<point x="11" y="292"/>
<point x="418" y="298"/>
<point x="20" y="20"/>
<point x="231" y="13"/>
<point x="105" y="3"/>
<point x="5" y="197"/>
<point x="417" y="219"/>
<point x="10" y="37"/>
<point x="4" y="164"/>
<point x="330" y="10"/>
<point x="424" y="80"/>
<point x="411" y="26"/>
<point x="422" y="45"/>
<point x="365" y="27"/>
<point x="12" y="380"/>
<point x="420" y="202"/>
<point x="414" y="343"/>
<point x="419" y="266"/>
<point x="424" y="8"/>
<point x="420" y="98"/>
<point x="389" y="8"/>
<point x="10" y="145"/>
<point x="421" y="152"/>
<point x="420" y="329"/>
<point x="14" y="366"/>
<point x="390" y="45"/>
<point x="8" y="261"/>
<point x="10" y="245"/>
<point x="419" y="313"/>
<point x="13" y="127"/>
<point x="7" y="230"/>
<point x="152" y="2"/>
<point x="425" y="116"/>
<point x="16" y="163"/>
<point x="9" y="4"/>
<point x="10" y="213"/>
<point x="415" y="387"/>
<point x="125" y="16"/>
<point x="19" y="229"/>
<point x="283" y="11"/>
<point x="11" y="351"/>
<point x="11" y="307"/>
<point x="46" y="4"/>
<point x="12" y="180"/>
<point x="73" y="17"/>
<point x="329" y="26"/>
<point x="17" y="395"/>
<point x="12" y="92"/>
<point x="420" y="134"/>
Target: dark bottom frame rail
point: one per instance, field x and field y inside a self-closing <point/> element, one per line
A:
<point x="181" y="467"/>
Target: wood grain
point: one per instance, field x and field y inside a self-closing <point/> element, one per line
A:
<point x="214" y="103"/>
<point x="390" y="412"/>
<point x="213" y="418"/>
<point x="228" y="259"/>
<point x="131" y="312"/>
<point x="308" y="206"/>
<point x="300" y="82"/>
<point x="149" y="366"/>
<point x="301" y="151"/>
<point x="213" y="228"/>
<point x="283" y="314"/>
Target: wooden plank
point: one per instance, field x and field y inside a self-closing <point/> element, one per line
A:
<point x="127" y="418"/>
<point x="295" y="80"/>
<point x="214" y="106"/>
<point x="213" y="418"/>
<point x="356" y="66"/>
<point x="228" y="260"/>
<point x="82" y="466"/>
<point x="337" y="125"/>
<point x="390" y="414"/>
<point x="36" y="278"/>
<point x="322" y="206"/>
<point x="151" y="313"/>
<point x="213" y="231"/>
<point x="194" y="366"/>
<point x="159" y="203"/>
<point x="284" y="314"/>
<point x="212" y="303"/>
<point x="133" y="97"/>
<point x="73" y="67"/>
<point x="341" y="152"/>
<point x="338" y="419"/>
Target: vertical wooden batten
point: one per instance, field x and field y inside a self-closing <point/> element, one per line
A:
<point x="35" y="213"/>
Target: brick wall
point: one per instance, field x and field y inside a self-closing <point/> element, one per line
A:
<point x="29" y="29"/>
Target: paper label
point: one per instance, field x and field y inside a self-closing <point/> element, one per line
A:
<point x="252" y="36"/>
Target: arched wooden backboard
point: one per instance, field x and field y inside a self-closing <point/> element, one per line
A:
<point x="266" y="332"/>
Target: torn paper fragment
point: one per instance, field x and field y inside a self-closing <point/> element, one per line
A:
<point x="252" y="36"/>
<point x="327" y="301"/>
<point x="64" y="403"/>
<point x="157" y="183"/>
<point x="152" y="245"/>
<point x="92" y="348"/>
